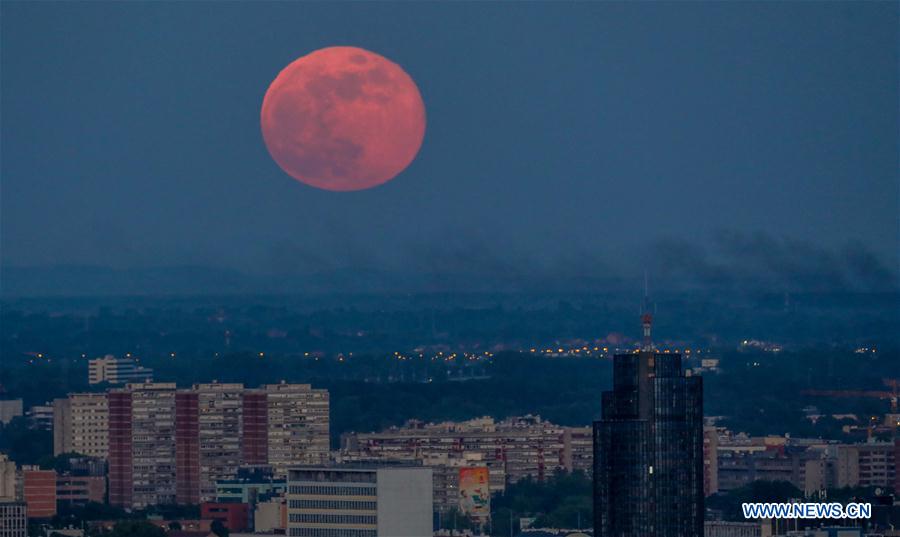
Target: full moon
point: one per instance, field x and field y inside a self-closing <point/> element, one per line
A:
<point x="343" y="118"/>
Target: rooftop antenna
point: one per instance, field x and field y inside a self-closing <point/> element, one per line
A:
<point x="646" y="317"/>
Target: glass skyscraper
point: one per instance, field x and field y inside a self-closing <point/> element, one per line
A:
<point x="648" y="448"/>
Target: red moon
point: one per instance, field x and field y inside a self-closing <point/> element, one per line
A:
<point x="343" y="118"/>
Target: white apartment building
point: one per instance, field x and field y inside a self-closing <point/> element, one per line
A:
<point x="81" y="425"/>
<point x="117" y="371"/>
<point x="298" y="425"/>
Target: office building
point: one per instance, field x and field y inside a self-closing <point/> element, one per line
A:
<point x="648" y="473"/>
<point x="114" y="370"/>
<point x="388" y="501"/>
<point x="13" y="519"/>
<point x="81" y="425"/>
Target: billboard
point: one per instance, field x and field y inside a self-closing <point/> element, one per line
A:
<point x="475" y="492"/>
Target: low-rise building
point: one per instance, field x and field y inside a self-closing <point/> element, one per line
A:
<point x="721" y="528"/>
<point x="387" y="501"/>
<point x="79" y="490"/>
<point x="13" y="519"/>
<point x="866" y="465"/>
<point x="234" y="516"/>
<point x="445" y="473"/>
<point x="270" y="516"/>
<point x="250" y="485"/>
<point x="39" y="491"/>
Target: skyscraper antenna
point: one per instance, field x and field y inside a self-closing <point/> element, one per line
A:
<point x="646" y="317"/>
<point x="646" y="285"/>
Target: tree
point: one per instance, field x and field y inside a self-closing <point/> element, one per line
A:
<point x="23" y="444"/>
<point x="73" y="514"/>
<point x="561" y="500"/>
<point x="453" y="519"/>
<point x="218" y="528"/>
<point x="136" y="528"/>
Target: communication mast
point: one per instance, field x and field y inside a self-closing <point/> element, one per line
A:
<point x="646" y="317"/>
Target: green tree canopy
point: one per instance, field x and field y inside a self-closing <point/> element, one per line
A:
<point x="136" y="528"/>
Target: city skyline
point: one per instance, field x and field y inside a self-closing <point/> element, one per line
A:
<point x="449" y="269"/>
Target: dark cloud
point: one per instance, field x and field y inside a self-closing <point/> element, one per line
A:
<point x="763" y="261"/>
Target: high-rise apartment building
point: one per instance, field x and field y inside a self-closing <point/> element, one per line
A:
<point x="81" y="425"/>
<point x="298" y="425"/>
<point x="350" y="501"/>
<point x="7" y="479"/>
<point x="142" y="464"/>
<point x="187" y="448"/>
<point x="117" y="371"/>
<point x="121" y="457"/>
<point x="514" y="448"/>
<point x="648" y="474"/>
<point x="220" y="419"/>
<point x="209" y="433"/>
<point x="255" y="427"/>
<point x="172" y="446"/>
<point x="710" y="461"/>
<point x="896" y="464"/>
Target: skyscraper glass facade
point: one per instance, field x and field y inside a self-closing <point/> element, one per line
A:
<point x="648" y="450"/>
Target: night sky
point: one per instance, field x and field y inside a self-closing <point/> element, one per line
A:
<point x="601" y="136"/>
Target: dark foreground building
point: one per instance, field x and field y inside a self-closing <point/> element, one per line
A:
<point x="648" y="448"/>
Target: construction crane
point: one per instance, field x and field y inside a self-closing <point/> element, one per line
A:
<point x="891" y="396"/>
